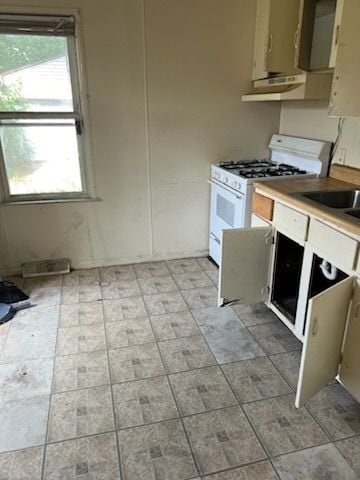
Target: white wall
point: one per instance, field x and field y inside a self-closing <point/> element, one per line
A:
<point x="310" y="119"/>
<point x="165" y="79"/>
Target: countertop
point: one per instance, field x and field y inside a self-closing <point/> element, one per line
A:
<point x="281" y="190"/>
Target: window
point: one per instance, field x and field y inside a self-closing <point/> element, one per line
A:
<point x="41" y="121"/>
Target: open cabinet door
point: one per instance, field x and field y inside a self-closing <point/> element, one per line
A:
<point x="350" y="365"/>
<point x="283" y="25"/>
<point x="304" y="35"/>
<point x="345" y="98"/>
<point x="325" y="326"/>
<point x="244" y="264"/>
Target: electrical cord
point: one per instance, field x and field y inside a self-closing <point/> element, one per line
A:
<point x="338" y="138"/>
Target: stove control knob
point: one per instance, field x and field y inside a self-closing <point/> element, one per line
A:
<point x="226" y="180"/>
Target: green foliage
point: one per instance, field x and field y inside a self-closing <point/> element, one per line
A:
<point x="10" y="98"/>
<point x="17" y="51"/>
<point x="18" y="151"/>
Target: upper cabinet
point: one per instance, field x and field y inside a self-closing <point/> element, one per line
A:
<point x="345" y="96"/>
<point x="275" y="38"/>
<point x="315" y="34"/>
<point x="319" y="38"/>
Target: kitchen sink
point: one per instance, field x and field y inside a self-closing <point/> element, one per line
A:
<point x="340" y="199"/>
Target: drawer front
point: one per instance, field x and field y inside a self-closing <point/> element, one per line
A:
<point x="291" y="222"/>
<point x="332" y="245"/>
<point x="262" y="206"/>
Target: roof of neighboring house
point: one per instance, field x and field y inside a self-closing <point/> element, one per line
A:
<point x="48" y="80"/>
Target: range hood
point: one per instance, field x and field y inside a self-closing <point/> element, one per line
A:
<point x="315" y="86"/>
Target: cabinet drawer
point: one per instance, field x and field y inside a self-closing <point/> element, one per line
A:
<point x="262" y="206"/>
<point x="291" y="222"/>
<point x="332" y="245"/>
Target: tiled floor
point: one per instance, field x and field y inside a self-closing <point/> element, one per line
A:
<point x="132" y="372"/>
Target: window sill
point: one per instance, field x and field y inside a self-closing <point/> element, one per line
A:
<point x="49" y="201"/>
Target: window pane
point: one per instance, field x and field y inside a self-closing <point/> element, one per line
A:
<point x="34" y="74"/>
<point x="41" y="159"/>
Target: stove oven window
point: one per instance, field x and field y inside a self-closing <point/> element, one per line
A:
<point x="225" y="210"/>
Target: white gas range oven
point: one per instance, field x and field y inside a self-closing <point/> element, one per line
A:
<point x="232" y="182"/>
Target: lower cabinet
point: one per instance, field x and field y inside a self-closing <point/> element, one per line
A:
<point x="262" y="265"/>
<point x="332" y="339"/>
<point x="245" y="261"/>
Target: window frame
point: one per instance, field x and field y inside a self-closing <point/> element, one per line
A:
<point x="79" y="115"/>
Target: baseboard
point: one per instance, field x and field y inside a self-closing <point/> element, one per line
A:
<point x="104" y="262"/>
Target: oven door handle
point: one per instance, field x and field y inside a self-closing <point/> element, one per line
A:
<point x="228" y="189"/>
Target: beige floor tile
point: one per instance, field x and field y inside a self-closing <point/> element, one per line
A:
<point x="337" y="412"/>
<point x="323" y="462"/>
<point x="156" y="452"/>
<point x="283" y="428"/>
<point x="128" y="333"/>
<point x="174" y="325"/>
<point x="81" y="314"/>
<point x="201" y="390"/>
<point x="186" y="281"/>
<point x="135" y="363"/>
<point x="350" y="449"/>
<point x="143" y="402"/>
<point x="80" y="294"/>
<point x="150" y="269"/>
<point x="186" y="354"/>
<point x="117" y="273"/>
<point x="26" y="379"/>
<point x="124" y="309"/>
<point x="222" y="439"/>
<point x="214" y="276"/>
<point x="80" y="412"/>
<point x="257" y="471"/>
<point x="152" y="285"/>
<point x="225" y="334"/>
<point x="255" y="314"/>
<point x="162" y="303"/>
<point x="255" y="379"/>
<point x="83" y="338"/>
<point x="183" y="265"/>
<point x="83" y="458"/>
<point x="75" y="278"/>
<point x="32" y="335"/>
<point x="23" y="422"/>
<point x="24" y="464"/>
<point x="289" y="365"/>
<point x="44" y="290"/>
<point x="274" y="337"/>
<point x="206" y="264"/>
<point x="81" y="370"/>
<point x="200" y="297"/>
<point x="120" y="289"/>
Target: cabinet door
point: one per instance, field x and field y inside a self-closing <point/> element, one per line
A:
<point x="283" y="25"/>
<point x="304" y="35"/>
<point x="335" y="39"/>
<point x="350" y="366"/>
<point x="261" y="39"/>
<point x="244" y="264"/>
<point x="345" y="98"/>
<point x="325" y="326"/>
